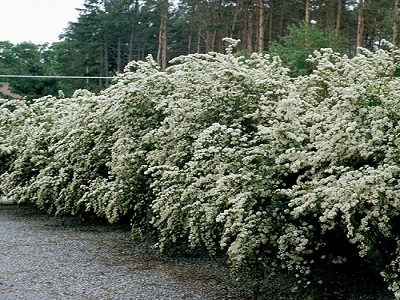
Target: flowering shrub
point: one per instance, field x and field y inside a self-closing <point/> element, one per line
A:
<point x="213" y="171"/>
<point x="10" y="123"/>
<point x="25" y="140"/>
<point x="351" y="183"/>
<point x="128" y="111"/>
<point x="94" y="158"/>
<point x="227" y="154"/>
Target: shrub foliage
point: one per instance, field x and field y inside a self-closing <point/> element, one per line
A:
<point x="227" y="154"/>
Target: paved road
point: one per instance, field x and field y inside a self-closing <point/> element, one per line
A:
<point x="45" y="257"/>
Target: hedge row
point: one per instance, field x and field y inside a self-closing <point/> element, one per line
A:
<point x="227" y="154"/>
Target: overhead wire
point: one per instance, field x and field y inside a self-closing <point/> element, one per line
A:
<point x="55" y="77"/>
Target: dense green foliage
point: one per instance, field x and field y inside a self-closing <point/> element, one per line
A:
<point x="227" y="154"/>
<point x="28" y="59"/>
<point x="110" y="33"/>
<point x="300" y="42"/>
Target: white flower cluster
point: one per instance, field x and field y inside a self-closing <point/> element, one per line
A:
<point x="227" y="154"/>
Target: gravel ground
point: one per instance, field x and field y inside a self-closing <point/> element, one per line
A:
<point x="46" y="257"/>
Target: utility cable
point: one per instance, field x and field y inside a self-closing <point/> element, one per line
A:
<point x="56" y="77"/>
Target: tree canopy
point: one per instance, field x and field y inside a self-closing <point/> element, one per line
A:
<point x="110" y="33"/>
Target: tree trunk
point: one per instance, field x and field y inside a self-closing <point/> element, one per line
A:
<point x="280" y="27"/>
<point x="189" y="46"/>
<point x="249" y="26"/>
<point x="218" y="44"/>
<point x="396" y="23"/>
<point x="320" y="12"/>
<point x="307" y="13"/>
<point x="395" y="28"/>
<point x="162" y="37"/>
<point x="330" y="17"/>
<point x="360" y="26"/>
<point x="213" y="40"/>
<point x="132" y="38"/>
<point x="87" y="67"/>
<point x="208" y="41"/>
<point x="271" y="20"/>
<point x="101" y="66"/>
<point x="261" y="26"/>
<point x="338" y="17"/>
<point x="119" y="63"/>
<point x="235" y="19"/>
<point x="106" y="62"/>
<point x="198" y="40"/>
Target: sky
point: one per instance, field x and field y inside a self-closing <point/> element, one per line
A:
<point x="36" y="21"/>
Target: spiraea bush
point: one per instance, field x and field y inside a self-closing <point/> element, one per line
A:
<point x="226" y="154"/>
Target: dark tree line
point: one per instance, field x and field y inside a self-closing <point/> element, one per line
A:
<point x="110" y="33"/>
<point x="117" y="31"/>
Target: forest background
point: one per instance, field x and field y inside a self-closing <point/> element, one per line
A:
<point x="110" y="33"/>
